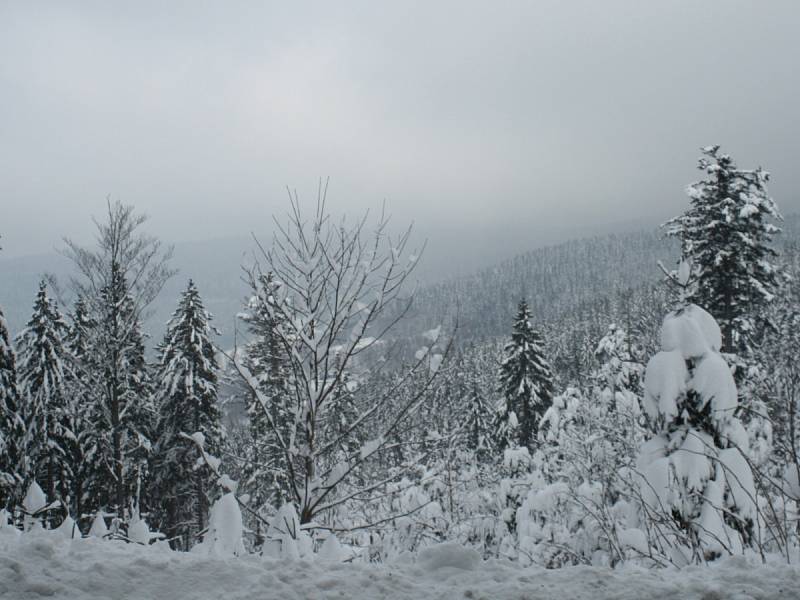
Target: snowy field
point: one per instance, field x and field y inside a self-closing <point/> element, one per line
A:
<point x="45" y="565"/>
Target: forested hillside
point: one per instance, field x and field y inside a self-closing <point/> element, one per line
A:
<point x="540" y="411"/>
<point x="556" y="280"/>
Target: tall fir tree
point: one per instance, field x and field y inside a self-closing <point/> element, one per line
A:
<point x="122" y="418"/>
<point x="43" y="368"/>
<point x="82" y="384"/>
<point x="266" y="358"/>
<point x="526" y="385"/>
<point x="187" y="399"/>
<point x="138" y="398"/>
<point x="118" y="278"/>
<point x="727" y="234"/>
<point x="12" y="425"/>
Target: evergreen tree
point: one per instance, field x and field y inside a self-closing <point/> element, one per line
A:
<point x="12" y="425"/>
<point x="267" y="484"/>
<point x="118" y="279"/>
<point x="43" y="370"/>
<point x="187" y="395"/>
<point x="696" y="478"/>
<point x="621" y="368"/>
<point x="727" y="235"/>
<point x="478" y="423"/>
<point x="526" y="385"/>
<point x="138" y="397"/>
<point x="82" y="385"/>
<point x="122" y="416"/>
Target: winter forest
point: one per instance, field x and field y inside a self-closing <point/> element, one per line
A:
<point x="399" y="300"/>
<point x="653" y="425"/>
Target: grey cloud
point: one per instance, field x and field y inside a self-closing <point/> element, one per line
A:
<point x="473" y="118"/>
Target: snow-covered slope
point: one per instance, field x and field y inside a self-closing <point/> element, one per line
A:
<point x="44" y="564"/>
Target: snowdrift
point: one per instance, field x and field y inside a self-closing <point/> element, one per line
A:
<point x="46" y="564"/>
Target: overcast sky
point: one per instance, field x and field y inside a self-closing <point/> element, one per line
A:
<point x="516" y="122"/>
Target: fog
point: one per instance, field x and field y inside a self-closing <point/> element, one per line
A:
<point x="495" y="127"/>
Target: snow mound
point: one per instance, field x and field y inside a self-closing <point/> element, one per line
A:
<point x="5" y="519"/>
<point x="224" y="537"/>
<point x="285" y="538"/>
<point x="45" y="564"/>
<point x="139" y="531"/>
<point x="98" y="528"/>
<point x="34" y="499"/>
<point x="448" y="554"/>
<point x="68" y="528"/>
<point x="331" y="550"/>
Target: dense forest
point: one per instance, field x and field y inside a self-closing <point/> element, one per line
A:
<point x="626" y="398"/>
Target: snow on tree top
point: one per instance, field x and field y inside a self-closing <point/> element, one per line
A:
<point x="692" y="331"/>
<point x="34" y="499"/>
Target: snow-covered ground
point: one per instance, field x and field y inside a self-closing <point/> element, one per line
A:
<point x="44" y="564"/>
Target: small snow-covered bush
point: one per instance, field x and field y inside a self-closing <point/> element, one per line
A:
<point x="697" y="487"/>
<point x="224" y="536"/>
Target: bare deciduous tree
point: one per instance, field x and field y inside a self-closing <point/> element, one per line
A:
<point x="336" y="291"/>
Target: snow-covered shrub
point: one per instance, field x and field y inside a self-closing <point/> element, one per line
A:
<point x="138" y="529"/>
<point x="68" y="528"/>
<point x="471" y="507"/>
<point x="589" y="444"/>
<point x="34" y="505"/>
<point x="331" y="550"/>
<point x="99" y="529"/>
<point x="417" y="520"/>
<point x="285" y="537"/>
<point x="521" y="473"/>
<point x="224" y="536"/>
<point x="696" y="484"/>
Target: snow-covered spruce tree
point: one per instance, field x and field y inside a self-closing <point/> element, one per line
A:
<point x="43" y="366"/>
<point x="337" y="288"/>
<point x="138" y="395"/>
<point x="82" y="389"/>
<point x="118" y="280"/>
<point x="187" y="405"/>
<point x="727" y="235"/>
<point x="526" y="385"/>
<point x="477" y="426"/>
<point x="122" y="416"/>
<point x="262" y="477"/>
<point x="697" y="487"/>
<point x="12" y="425"/>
